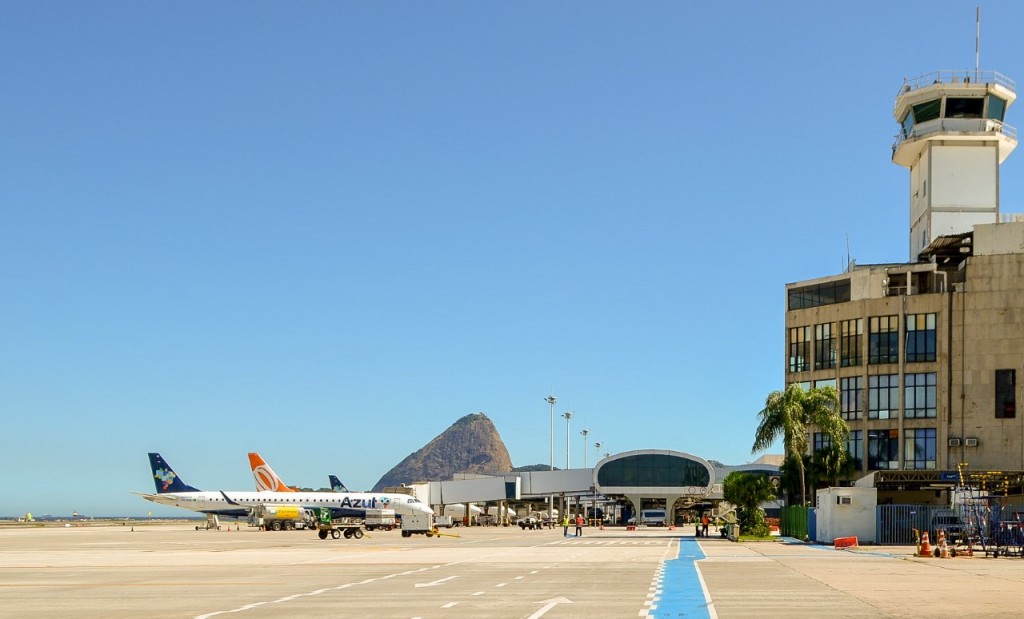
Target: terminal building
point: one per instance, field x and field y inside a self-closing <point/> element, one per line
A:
<point x="925" y="353"/>
<point x="620" y="485"/>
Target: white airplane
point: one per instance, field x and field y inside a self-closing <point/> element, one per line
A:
<point x="458" y="510"/>
<point x="171" y="490"/>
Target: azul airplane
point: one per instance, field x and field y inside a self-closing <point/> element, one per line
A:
<point x="171" y="490"/>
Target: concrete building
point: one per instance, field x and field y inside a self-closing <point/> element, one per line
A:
<point x="925" y="353"/>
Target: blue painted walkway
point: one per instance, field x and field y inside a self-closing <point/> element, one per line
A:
<point x="681" y="591"/>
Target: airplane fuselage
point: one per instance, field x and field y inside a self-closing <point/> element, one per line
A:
<point x="354" y="504"/>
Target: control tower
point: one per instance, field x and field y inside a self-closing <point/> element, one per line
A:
<point x="953" y="138"/>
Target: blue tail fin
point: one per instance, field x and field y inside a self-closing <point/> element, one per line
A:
<point x="336" y="484"/>
<point x="165" y="478"/>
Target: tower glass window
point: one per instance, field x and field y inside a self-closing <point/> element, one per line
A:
<point x="1006" y="400"/>
<point x="920" y="337"/>
<point x="883" y="396"/>
<point x="919" y="448"/>
<point x="883" y="449"/>
<point x="824" y="346"/>
<point x="799" y="349"/>
<point x="996" y="108"/>
<point x="929" y="110"/>
<point x="850" y="332"/>
<point x="962" y="107"/>
<point x="851" y="391"/>
<point x="919" y="395"/>
<point x="883" y="339"/>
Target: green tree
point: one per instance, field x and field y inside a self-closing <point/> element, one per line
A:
<point x="786" y="415"/>
<point x="747" y="491"/>
<point x="828" y="465"/>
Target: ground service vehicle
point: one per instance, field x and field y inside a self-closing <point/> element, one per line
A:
<point x="349" y="527"/>
<point x="380" y="519"/>
<point x="530" y="522"/>
<point x="280" y="517"/>
<point x="651" y="517"/>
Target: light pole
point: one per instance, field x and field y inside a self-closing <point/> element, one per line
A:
<point x="551" y="498"/>
<point x="597" y="456"/>
<point x="585" y="434"/>
<point x="568" y="416"/>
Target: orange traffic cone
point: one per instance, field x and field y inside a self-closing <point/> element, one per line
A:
<point x="943" y="549"/>
<point x="926" y="546"/>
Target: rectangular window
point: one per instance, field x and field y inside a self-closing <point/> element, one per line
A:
<point x="821" y="441"/>
<point x="883" y="450"/>
<point x="929" y="110"/>
<point x="883" y="396"/>
<point x="919" y="395"/>
<point x="799" y="349"/>
<point x="850" y="332"/>
<point x="919" y="449"/>
<point x="855" y="448"/>
<point x="824" y="347"/>
<point x="1006" y="399"/>
<point x="957" y="107"/>
<point x="883" y="339"/>
<point x="996" y="108"/>
<point x="920" y="337"/>
<point x="817" y="295"/>
<point x="851" y="393"/>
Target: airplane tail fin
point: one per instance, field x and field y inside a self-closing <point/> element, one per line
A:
<point x="165" y="478"/>
<point x="336" y="484"/>
<point x="266" y="478"/>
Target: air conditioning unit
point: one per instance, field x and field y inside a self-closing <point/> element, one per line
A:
<point x="954" y="442"/>
<point x="970" y="442"/>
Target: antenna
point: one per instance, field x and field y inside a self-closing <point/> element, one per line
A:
<point x="977" y="39"/>
<point x="847" y="251"/>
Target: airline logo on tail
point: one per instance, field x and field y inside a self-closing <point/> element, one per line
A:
<point x="166" y="480"/>
<point x="166" y="477"/>
<point x="266" y="478"/>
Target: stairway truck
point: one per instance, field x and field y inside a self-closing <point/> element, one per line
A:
<point x="416" y="524"/>
<point x="280" y="517"/>
<point x="383" y="519"/>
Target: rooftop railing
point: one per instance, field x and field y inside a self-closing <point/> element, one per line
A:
<point x="962" y="76"/>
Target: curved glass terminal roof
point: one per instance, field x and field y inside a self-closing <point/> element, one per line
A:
<point x="654" y="469"/>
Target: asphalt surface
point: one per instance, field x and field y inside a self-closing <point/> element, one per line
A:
<point x="171" y="570"/>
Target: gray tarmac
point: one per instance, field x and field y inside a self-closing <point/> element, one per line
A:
<point x="172" y="570"/>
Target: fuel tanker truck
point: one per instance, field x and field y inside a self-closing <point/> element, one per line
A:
<point x="280" y="517"/>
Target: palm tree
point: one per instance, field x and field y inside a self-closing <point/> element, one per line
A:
<point x="787" y="414"/>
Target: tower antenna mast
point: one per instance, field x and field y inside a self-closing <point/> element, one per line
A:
<point x="977" y="39"/>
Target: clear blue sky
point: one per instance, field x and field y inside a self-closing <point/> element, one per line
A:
<point x="325" y="231"/>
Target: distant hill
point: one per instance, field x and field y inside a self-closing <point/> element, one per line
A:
<point x="470" y="445"/>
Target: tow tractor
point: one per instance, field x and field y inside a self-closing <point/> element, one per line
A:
<point x="336" y="527"/>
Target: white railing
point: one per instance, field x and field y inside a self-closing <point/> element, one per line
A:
<point x="962" y="76"/>
<point x="977" y="125"/>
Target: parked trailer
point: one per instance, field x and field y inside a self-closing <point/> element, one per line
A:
<point x="417" y="524"/>
<point x="380" y="519"/>
<point x="337" y="527"/>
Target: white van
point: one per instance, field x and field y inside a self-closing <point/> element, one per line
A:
<point x="653" y="517"/>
